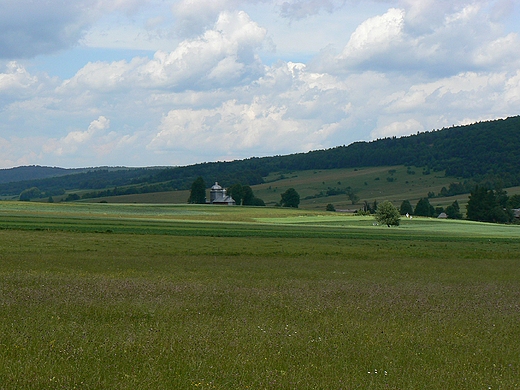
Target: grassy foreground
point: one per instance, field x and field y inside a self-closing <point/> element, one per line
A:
<point x="213" y="298"/>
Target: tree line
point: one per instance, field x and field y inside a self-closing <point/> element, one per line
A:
<point x="484" y="205"/>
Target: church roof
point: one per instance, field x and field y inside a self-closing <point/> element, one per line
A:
<point x="216" y="186"/>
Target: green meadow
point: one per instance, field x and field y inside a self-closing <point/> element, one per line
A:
<point x="133" y="296"/>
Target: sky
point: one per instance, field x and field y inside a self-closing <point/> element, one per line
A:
<point x="137" y="83"/>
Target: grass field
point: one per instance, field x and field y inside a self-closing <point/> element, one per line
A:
<point x="106" y="296"/>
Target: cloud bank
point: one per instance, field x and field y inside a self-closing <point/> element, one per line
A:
<point x="412" y="66"/>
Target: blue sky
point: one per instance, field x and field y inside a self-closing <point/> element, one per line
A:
<point x="155" y="82"/>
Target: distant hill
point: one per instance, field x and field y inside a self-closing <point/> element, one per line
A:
<point x="485" y="152"/>
<point x="34" y="172"/>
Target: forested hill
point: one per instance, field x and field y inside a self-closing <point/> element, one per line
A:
<point x="482" y="151"/>
<point x="34" y="172"/>
<point x="485" y="152"/>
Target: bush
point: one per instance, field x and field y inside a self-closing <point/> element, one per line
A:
<point x="387" y="214"/>
<point x="330" y="207"/>
<point x="290" y="198"/>
<point x="30" y="193"/>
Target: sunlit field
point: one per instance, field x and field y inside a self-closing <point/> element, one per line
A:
<point x="103" y="296"/>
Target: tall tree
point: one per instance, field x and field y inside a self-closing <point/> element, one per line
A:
<point x="198" y="191"/>
<point x="290" y="198"/>
<point x="248" y="196"/>
<point x="485" y="206"/>
<point x="236" y="191"/>
<point x="514" y="201"/>
<point x="424" y="208"/>
<point x="406" y="208"/>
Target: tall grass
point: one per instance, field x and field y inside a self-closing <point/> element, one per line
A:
<point x="97" y="310"/>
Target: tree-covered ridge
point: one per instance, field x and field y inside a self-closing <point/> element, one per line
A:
<point x="93" y="178"/>
<point x="486" y="152"/>
<point x="482" y="151"/>
<point x="476" y="151"/>
<point x="34" y="172"/>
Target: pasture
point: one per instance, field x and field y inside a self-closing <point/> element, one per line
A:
<point x="99" y="296"/>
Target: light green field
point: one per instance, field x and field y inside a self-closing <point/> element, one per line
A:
<point x="109" y="296"/>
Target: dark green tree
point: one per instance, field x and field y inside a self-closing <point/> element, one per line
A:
<point x="198" y="192"/>
<point x="514" y="201"/>
<point x="248" y="196"/>
<point x="406" y="208"/>
<point x="484" y="205"/>
<point x="330" y="207"/>
<point x="387" y="214"/>
<point x="30" y="193"/>
<point x="453" y="211"/>
<point x="290" y="198"/>
<point x="236" y="191"/>
<point x="424" y="208"/>
<point x="244" y="195"/>
<point x="257" y="202"/>
<point x="72" y="197"/>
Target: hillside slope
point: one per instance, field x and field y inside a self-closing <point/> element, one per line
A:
<point x="485" y="152"/>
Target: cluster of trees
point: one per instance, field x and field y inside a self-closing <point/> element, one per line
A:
<point x="243" y="195"/>
<point x="423" y="208"/>
<point x="484" y="205"/>
<point x="35" y="193"/>
<point x="487" y="205"/>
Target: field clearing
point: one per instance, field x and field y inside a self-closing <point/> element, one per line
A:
<point x="109" y="296"/>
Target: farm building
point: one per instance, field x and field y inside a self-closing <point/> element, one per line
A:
<point x="217" y="195"/>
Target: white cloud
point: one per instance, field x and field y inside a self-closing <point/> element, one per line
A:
<point x="16" y="79"/>
<point x="413" y="66"/>
<point x="73" y="141"/>
<point x="226" y="129"/>
<point x="194" y="16"/>
<point x="220" y="57"/>
<point x="29" y="28"/>
<point x="376" y="35"/>
<point x="408" y="127"/>
<point x="430" y="37"/>
<point x="299" y="9"/>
